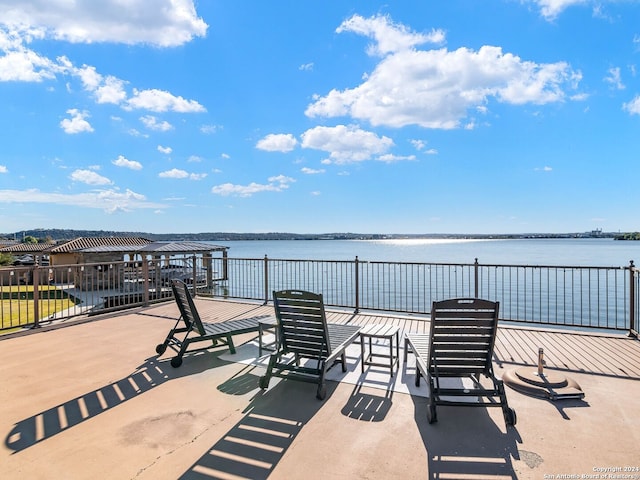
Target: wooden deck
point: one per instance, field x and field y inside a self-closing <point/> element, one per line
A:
<point x="571" y="351"/>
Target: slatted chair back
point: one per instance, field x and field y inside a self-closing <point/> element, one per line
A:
<point x="463" y="333"/>
<point x="187" y="307"/>
<point x="302" y="323"/>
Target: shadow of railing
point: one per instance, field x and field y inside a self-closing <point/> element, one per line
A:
<point x="253" y="447"/>
<point x="57" y="419"/>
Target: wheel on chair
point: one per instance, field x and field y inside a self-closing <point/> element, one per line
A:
<point x="510" y="417"/>
<point x="161" y="348"/>
<point x="176" y="362"/>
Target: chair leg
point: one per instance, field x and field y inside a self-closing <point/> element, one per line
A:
<point x="232" y="347"/>
<point x="264" y="380"/>
<point x="322" y="387"/>
<point x="432" y="415"/>
<point x="344" y="361"/>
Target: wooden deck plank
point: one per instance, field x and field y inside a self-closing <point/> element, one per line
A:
<point x="596" y="353"/>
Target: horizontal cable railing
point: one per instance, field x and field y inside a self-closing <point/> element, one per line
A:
<point x="599" y="297"/>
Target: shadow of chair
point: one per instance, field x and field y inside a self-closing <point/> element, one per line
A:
<point x="469" y="444"/>
<point x="149" y="375"/>
<point x="253" y="447"/>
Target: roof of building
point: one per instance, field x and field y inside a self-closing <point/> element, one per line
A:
<point x="27" y="247"/>
<point x="167" y="248"/>
<point x="84" y="243"/>
<point x="114" y="245"/>
<point x="181" y="247"/>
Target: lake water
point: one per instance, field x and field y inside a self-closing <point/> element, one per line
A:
<point x="573" y="252"/>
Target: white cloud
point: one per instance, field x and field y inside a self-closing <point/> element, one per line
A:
<point x="277" y="143"/>
<point x="4" y="169"/>
<point x="77" y="123"/>
<point x="110" y="201"/>
<point x="89" y="177"/>
<point x="210" y="129"/>
<point x="165" y="150"/>
<point x="389" y="37"/>
<point x="390" y="158"/>
<point x="613" y="78"/>
<point x="152" y="123"/>
<point x="121" y="161"/>
<point x="418" y="144"/>
<point x="346" y="144"/>
<point x="633" y="107"/>
<point x="137" y="133"/>
<point x="167" y="23"/>
<point x="161" y="101"/>
<point x="311" y="171"/>
<point x="550" y="9"/>
<point x="436" y="88"/>
<point x="276" y="184"/>
<point x="174" y="173"/>
<point x="306" y="67"/>
<point x="105" y="89"/>
<point x="177" y="173"/>
<point x="19" y="64"/>
<point x="194" y="159"/>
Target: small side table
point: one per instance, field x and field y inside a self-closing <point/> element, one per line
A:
<point x="267" y="324"/>
<point x="390" y="333"/>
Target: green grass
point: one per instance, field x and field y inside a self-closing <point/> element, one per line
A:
<point x="17" y="312"/>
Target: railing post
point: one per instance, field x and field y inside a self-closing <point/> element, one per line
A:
<point x="357" y="285"/>
<point x="266" y="279"/>
<point x="194" y="275"/>
<point x="632" y="299"/>
<point x="225" y="265"/>
<point x="36" y="295"/>
<point x="475" y="279"/>
<point x="145" y="281"/>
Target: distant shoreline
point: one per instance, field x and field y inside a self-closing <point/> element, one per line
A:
<point x="64" y="234"/>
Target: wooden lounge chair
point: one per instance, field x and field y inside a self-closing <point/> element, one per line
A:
<point x="195" y="330"/>
<point x="460" y="345"/>
<point x="305" y="334"/>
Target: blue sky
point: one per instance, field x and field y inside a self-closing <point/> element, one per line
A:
<point x="500" y="116"/>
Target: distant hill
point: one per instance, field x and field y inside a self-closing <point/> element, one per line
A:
<point x="62" y="234"/>
<point x="66" y="234"/>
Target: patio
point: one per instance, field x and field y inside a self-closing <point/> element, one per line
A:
<point x="87" y="400"/>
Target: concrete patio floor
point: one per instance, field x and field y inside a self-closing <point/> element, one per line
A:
<point x="92" y="400"/>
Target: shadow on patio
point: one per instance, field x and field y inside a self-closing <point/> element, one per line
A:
<point x="152" y="373"/>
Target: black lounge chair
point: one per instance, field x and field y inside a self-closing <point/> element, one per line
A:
<point x="305" y="334"/>
<point x="195" y="330"/>
<point x="460" y="345"/>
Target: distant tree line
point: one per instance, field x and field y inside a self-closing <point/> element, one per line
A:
<point x="628" y="236"/>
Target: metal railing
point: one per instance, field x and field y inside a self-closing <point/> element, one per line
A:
<point x="598" y="297"/>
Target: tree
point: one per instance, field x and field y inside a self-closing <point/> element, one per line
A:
<point x="29" y="239"/>
<point x="6" y="259"/>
